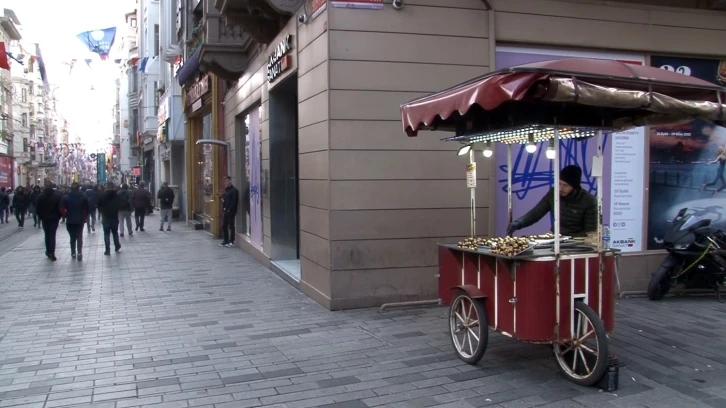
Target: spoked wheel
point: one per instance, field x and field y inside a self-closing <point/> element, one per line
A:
<point x="584" y="359"/>
<point x="469" y="328"/>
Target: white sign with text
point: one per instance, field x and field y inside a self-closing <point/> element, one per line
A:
<point x="627" y="190"/>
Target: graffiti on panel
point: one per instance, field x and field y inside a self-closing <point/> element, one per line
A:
<point x="528" y="176"/>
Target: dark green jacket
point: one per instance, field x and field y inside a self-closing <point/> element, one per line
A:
<point x="578" y="213"/>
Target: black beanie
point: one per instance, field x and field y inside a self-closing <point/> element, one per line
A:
<point x="571" y="175"/>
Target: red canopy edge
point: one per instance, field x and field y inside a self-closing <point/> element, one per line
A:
<point x="521" y="83"/>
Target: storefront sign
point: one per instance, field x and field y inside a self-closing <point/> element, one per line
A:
<point x="680" y="176"/>
<point x="279" y="60"/>
<point x="359" y="4"/>
<point x="198" y="90"/>
<point x="318" y="7"/>
<point x="163" y="111"/>
<point x="197" y="105"/>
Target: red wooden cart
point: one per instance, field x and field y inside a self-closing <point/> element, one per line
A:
<point x="559" y="296"/>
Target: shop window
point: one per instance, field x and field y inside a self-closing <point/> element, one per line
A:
<point x="250" y="222"/>
<point x="204" y="173"/>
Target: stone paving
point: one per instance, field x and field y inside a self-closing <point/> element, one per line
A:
<point x="175" y="321"/>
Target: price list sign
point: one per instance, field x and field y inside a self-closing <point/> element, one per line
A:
<point x="626" y="190"/>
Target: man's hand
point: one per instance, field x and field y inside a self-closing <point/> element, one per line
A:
<point x="512" y="228"/>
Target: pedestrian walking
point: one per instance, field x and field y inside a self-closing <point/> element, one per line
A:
<point x="125" y="204"/>
<point x="48" y="210"/>
<point x="166" y="203"/>
<point x="92" y="198"/>
<point x="74" y="206"/>
<point x="20" y="205"/>
<point x="4" y="205"/>
<point x="108" y="206"/>
<point x="142" y="201"/>
<point x="34" y="205"/>
<point x="230" y="200"/>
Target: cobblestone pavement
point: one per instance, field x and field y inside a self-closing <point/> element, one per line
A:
<point x="175" y="321"/>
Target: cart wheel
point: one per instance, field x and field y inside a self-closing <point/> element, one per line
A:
<point x="584" y="359"/>
<point x="469" y="328"/>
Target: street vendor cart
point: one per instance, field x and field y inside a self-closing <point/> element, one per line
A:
<point x="546" y="289"/>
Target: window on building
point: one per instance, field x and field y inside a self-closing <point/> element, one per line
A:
<point x="25" y="120"/>
<point x="132" y="22"/>
<point x="25" y="144"/>
<point x="32" y="88"/>
<point x="24" y="95"/>
<point x="156" y="40"/>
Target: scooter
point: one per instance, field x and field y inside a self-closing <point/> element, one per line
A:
<point x="696" y="257"/>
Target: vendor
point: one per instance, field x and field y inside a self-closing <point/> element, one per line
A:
<point x="578" y="208"/>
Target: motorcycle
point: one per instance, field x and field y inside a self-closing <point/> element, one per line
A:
<point x="695" y="257"/>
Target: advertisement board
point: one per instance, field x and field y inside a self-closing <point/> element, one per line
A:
<point x="101" y="168"/>
<point x="684" y="172"/>
<point x="6" y="171"/>
<point x="533" y="174"/>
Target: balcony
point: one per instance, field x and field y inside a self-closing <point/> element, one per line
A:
<point x="228" y="33"/>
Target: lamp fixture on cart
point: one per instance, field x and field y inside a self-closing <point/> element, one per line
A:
<point x="549" y="288"/>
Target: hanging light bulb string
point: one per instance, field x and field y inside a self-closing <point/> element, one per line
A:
<point x="531" y="147"/>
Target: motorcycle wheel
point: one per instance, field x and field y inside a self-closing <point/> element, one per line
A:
<point x="660" y="283"/>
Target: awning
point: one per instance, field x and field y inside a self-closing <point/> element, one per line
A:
<point x="624" y="94"/>
<point x="190" y="68"/>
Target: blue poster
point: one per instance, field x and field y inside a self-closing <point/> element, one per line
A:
<point x="101" y="168"/>
<point x="99" y="41"/>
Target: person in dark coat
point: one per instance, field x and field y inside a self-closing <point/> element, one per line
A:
<point x="108" y="205"/>
<point x="230" y="200"/>
<point x="21" y="201"/>
<point x="75" y="207"/>
<point x="34" y="195"/>
<point x="166" y="203"/>
<point x="4" y="205"/>
<point x="141" y="198"/>
<point x="125" y="206"/>
<point x="92" y="198"/>
<point x="48" y="210"/>
<point x="578" y="208"/>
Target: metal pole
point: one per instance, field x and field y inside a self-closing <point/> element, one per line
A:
<point x="557" y="192"/>
<point x="600" y="248"/>
<point x="599" y="193"/>
<point x="472" y="195"/>
<point x="509" y="185"/>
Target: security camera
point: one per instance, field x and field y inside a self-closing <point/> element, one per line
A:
<point x="397" y="4"/>
<point x="302" y="18"/>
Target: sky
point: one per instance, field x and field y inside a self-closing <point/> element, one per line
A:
<point x="54" y="25"/>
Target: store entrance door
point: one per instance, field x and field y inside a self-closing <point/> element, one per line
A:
<point x="284" y="178"/>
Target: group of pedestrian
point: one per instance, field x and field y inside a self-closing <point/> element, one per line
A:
<point x="20" y="202"/>
<point x="113" y="207"/>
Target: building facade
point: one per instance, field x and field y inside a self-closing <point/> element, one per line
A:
<point x="127" y="90"/>
<point x="171" y="161"/>
<point x="9" y="35"/>
<point x="334" y="196"/>
<point x="148" y="89"/>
